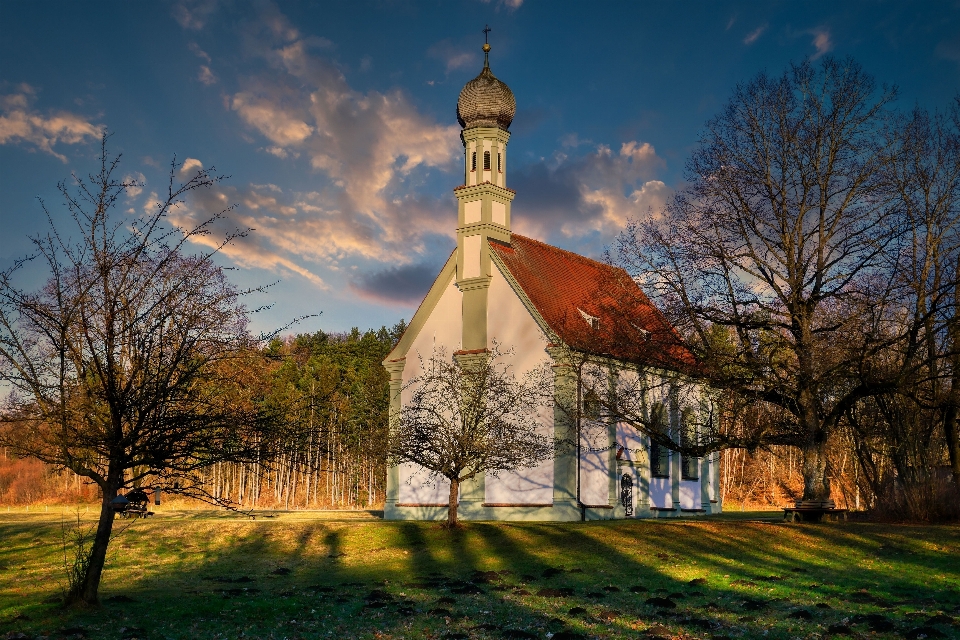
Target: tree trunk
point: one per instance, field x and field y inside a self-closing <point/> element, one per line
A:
<point x="454" y="503"/>
<point x="951" y="432"/>
<point x="816" y="484"/>
<point x="86" y="590"/>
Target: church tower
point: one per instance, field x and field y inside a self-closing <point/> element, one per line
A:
<point x="485" y="110"/>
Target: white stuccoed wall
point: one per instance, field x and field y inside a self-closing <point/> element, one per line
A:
<point x="594" y="463"/>
<point x="690" y="494"/>
<point x="633" y="442"/>
<point x="444" y="329"/>
<point x="510" y="324"/>
<point x="660" y="493"/>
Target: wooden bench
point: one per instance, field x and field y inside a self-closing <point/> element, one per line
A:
<point x="813" y="511"/>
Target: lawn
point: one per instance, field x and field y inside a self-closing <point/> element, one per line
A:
<point x="209" y="574"/>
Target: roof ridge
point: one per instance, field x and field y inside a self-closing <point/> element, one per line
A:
<point x="576" y="256"/>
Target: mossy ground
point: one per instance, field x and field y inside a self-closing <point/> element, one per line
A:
<point x="209" y="574"/>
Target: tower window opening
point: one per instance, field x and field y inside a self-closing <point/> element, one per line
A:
<point x="486" y="161"/>
<point x="499" y="164"/>
<point x="473" y="164"/>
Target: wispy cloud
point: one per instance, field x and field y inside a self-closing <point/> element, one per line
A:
<point x="200" y="53"/>
<point x="193" y="14"/>
<point x="453" y="56"/>
<point x="821" y="42"/>
<point x="206" y="76"/>
<point x="511" y="5"/>
<point x="21" y="123"/>
<point x="308" y="235"/>
<point x="754" y="35"/>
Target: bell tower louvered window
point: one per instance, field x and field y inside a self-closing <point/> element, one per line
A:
<point x="486" y="161"/>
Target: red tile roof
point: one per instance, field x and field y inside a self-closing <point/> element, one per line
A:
<point x="561" y="284"/>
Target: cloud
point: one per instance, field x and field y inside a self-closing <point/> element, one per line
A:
<point x="367" y="144"/>
<point x="454" y="57"/>
<point x="193" y="14"/>
<point x="200" y="53"/>
<point x="206" y="76"/>
<point x="754" y="35"/>
<point x="591" y="194"/>
<point x="269" y="110"/>
<point x="821" y="41"/>
<point x="511" y="5"/>
<point x="189" y="165"/>
<point x="371" y="152"/>
<point x="308" y="233"/>
<point x="20" y="123"/>
<point x="136" y="182"/>
<point x="406" y="285"/>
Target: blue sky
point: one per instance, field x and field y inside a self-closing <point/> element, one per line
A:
<point x="336" y="120"/>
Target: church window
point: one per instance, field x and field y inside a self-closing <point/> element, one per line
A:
<point x="659" y="454"/>
<point x="473" y="165"/>
<point x="499" y="164"/>
<point x="591" y="405"/>
<point x="486" y="161"/>
<point x="659" y="460"/>
<point x="689" y="467"/>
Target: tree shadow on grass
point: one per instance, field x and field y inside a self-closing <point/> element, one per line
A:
<point x="305" y="579"/>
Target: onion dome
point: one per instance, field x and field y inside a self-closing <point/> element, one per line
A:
<point x="485" y="101"/>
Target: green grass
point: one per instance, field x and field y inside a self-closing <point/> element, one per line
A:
<point x="208" y="574"/>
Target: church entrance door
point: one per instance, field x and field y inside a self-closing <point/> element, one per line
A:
<point x="626" y="494"/>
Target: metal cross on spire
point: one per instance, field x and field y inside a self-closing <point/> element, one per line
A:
<point x="486" y="47"/>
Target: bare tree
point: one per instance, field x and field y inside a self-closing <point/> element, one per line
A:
<point x="903" y="434"/>
<point x="131" y="362"/>
<point x="469" y="415"/>
<point x="923" y="176"/>
<point x="767" y="260"/>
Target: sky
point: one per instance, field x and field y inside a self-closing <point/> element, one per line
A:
<point x="336" y="121"/>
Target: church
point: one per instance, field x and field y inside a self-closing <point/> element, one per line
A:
<point x="542" y="303"/>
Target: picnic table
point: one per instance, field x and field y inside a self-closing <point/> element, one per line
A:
<point x="813" y="511"/>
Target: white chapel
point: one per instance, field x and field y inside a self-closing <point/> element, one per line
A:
<point x="543" y="303"/>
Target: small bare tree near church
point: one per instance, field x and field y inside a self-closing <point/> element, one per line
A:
<point x="469" y="415"/>
<point x="130" y="364"/>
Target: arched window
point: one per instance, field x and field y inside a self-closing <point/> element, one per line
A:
<point x="591" y="405"/>
<point x="499" y="164"/>
<point x="486" y="161"/>
<point x="689" y="465"/>
<point x="659" y="454"/>
<point x="473" y="164"/>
